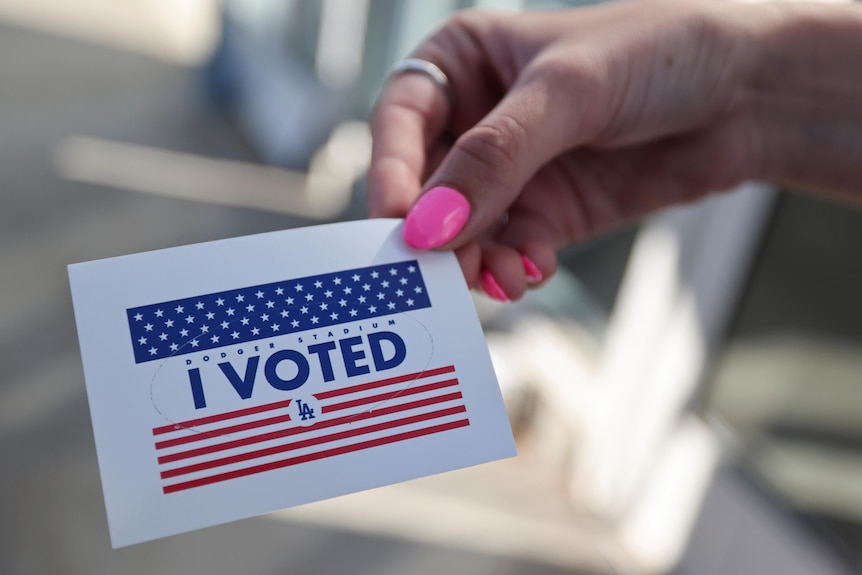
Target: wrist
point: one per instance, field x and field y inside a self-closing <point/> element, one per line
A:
<point x="806" y="94"/>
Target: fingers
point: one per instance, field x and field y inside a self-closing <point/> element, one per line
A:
<point x="409" y="118"/>
<point x="521" y="256"/>
<point x="413" y="113"/>
<point x="504" y="273"/>
<point x="487" y="168"/>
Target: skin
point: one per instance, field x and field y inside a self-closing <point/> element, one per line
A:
<point x="578" y="121"/>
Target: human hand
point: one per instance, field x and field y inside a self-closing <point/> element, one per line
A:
<point x="570" y="122"/>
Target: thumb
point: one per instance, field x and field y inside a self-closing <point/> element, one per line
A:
<point x="487" y="168"/>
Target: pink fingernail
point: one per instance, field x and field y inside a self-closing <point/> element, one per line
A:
<point x="436" y="218"/>
<point x="534" y="274"/>
<point x="492" y="288"/>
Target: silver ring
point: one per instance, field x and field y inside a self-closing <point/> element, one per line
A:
<point x="419" y="66"/>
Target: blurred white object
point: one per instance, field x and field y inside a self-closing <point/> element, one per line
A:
<point x="177" y="31"/>
<point x="321" y="193"/>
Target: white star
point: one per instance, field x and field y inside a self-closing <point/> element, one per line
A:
<point x="190" y="319"/>
<point x="318" y="284"/>
<point x="356" y="277"/>
<point x="391" y="305"/>
<point x="240" y="298"/>
<point x="327" y="293"/>
<point x="372" y="309"/>
<point x="362" y="299"/>
<point x="393" y="272"/>
<point x="366" y="287"/>
<point x="163" y="336"/>
<point x="210" y="315"/>
<point x="279" y="291"/>
<point x="353" y="313"/>
<point x="259" y="294"/>
<point x="323" y="306"/>
<point x="214" y="339"/>
<point x="174" y="347"/>
<point x="194" y="342"/>
<point x="403" y="281"/>
<point x="219" y="302"/>
<point x="410" y="302"/>
<point x="298" y="287"/>
<point x="342" y="302"/>
<point x="275" y="327"/>
<point x="284" y="313"/>
<point x="399" y="292"/>
<point x="333" y="315"/>
<point x="264" y="317"/>
<point x="179" y="309"/>
<point x="142" y="341"/>
<point x="384" y="284"/>
<point x="289" y="301"/>
<point x="249" y="307"/>
<point x="337" y="281"/>
<point x="148" y="327"/>
<point x="159" y="313"/>
<point x="169" y="323"/>
<point x="304" y="309"/>
<point x="348" y="290"/>
<point x="224" y="325"/>
<point x="138" y="317"/>
<point x="199" y="305"/>
<point x="375" y="275"/>
<point x="153" y="351"/>
<point x="184" y="333"/>
<point x="418" y="289"/>
<point x="205" y="329"/>
<point x="309" y="297"/>
<point x="244" y="321"/>
<point x="294" y="323"/>
<point x="381" y="295"/>
<point x="314" y="319"/>
<point x="411" y="269"/>
<point x="255" y="331"/>
<point x="235" y="335"/>
<point x="230" y="311"/>
<point x="270" y="304"/>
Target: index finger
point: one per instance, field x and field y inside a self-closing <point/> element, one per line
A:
<point x="410" y="116"/>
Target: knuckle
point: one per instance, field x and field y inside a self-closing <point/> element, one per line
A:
<point x="494" y="146"/>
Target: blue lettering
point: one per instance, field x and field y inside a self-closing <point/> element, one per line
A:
<point x="197" y="388"/>
<point x="400" y="350"/>
<point x="244" y="385"/>
<point x="322" y="351"/>
<point x="351" y="356"/>
<point x="302" y="371"/>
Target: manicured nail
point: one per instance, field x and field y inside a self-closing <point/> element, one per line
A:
<point x="436" y="218"/>
<point x="534" y="274"/>
<point x="492" y="288"/>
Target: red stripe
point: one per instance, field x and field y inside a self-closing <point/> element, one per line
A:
<point x="185" y="425"/>
<point x="298" y="429"/>
<point x="383" y="382"/>
<point x="312" y="441"/>
<point x="315" y="456"/>
<point x="222" y="431"/>
<point x="389" y="395"/>
<point x="193" y="437"/>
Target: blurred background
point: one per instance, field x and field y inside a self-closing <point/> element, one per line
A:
<point x="686" y="394"/>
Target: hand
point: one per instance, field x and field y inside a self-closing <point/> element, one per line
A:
<point x="571" y="123"/>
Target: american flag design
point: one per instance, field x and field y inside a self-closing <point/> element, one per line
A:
<point x="210" y="321"/>
<point x="278" y="435"/>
